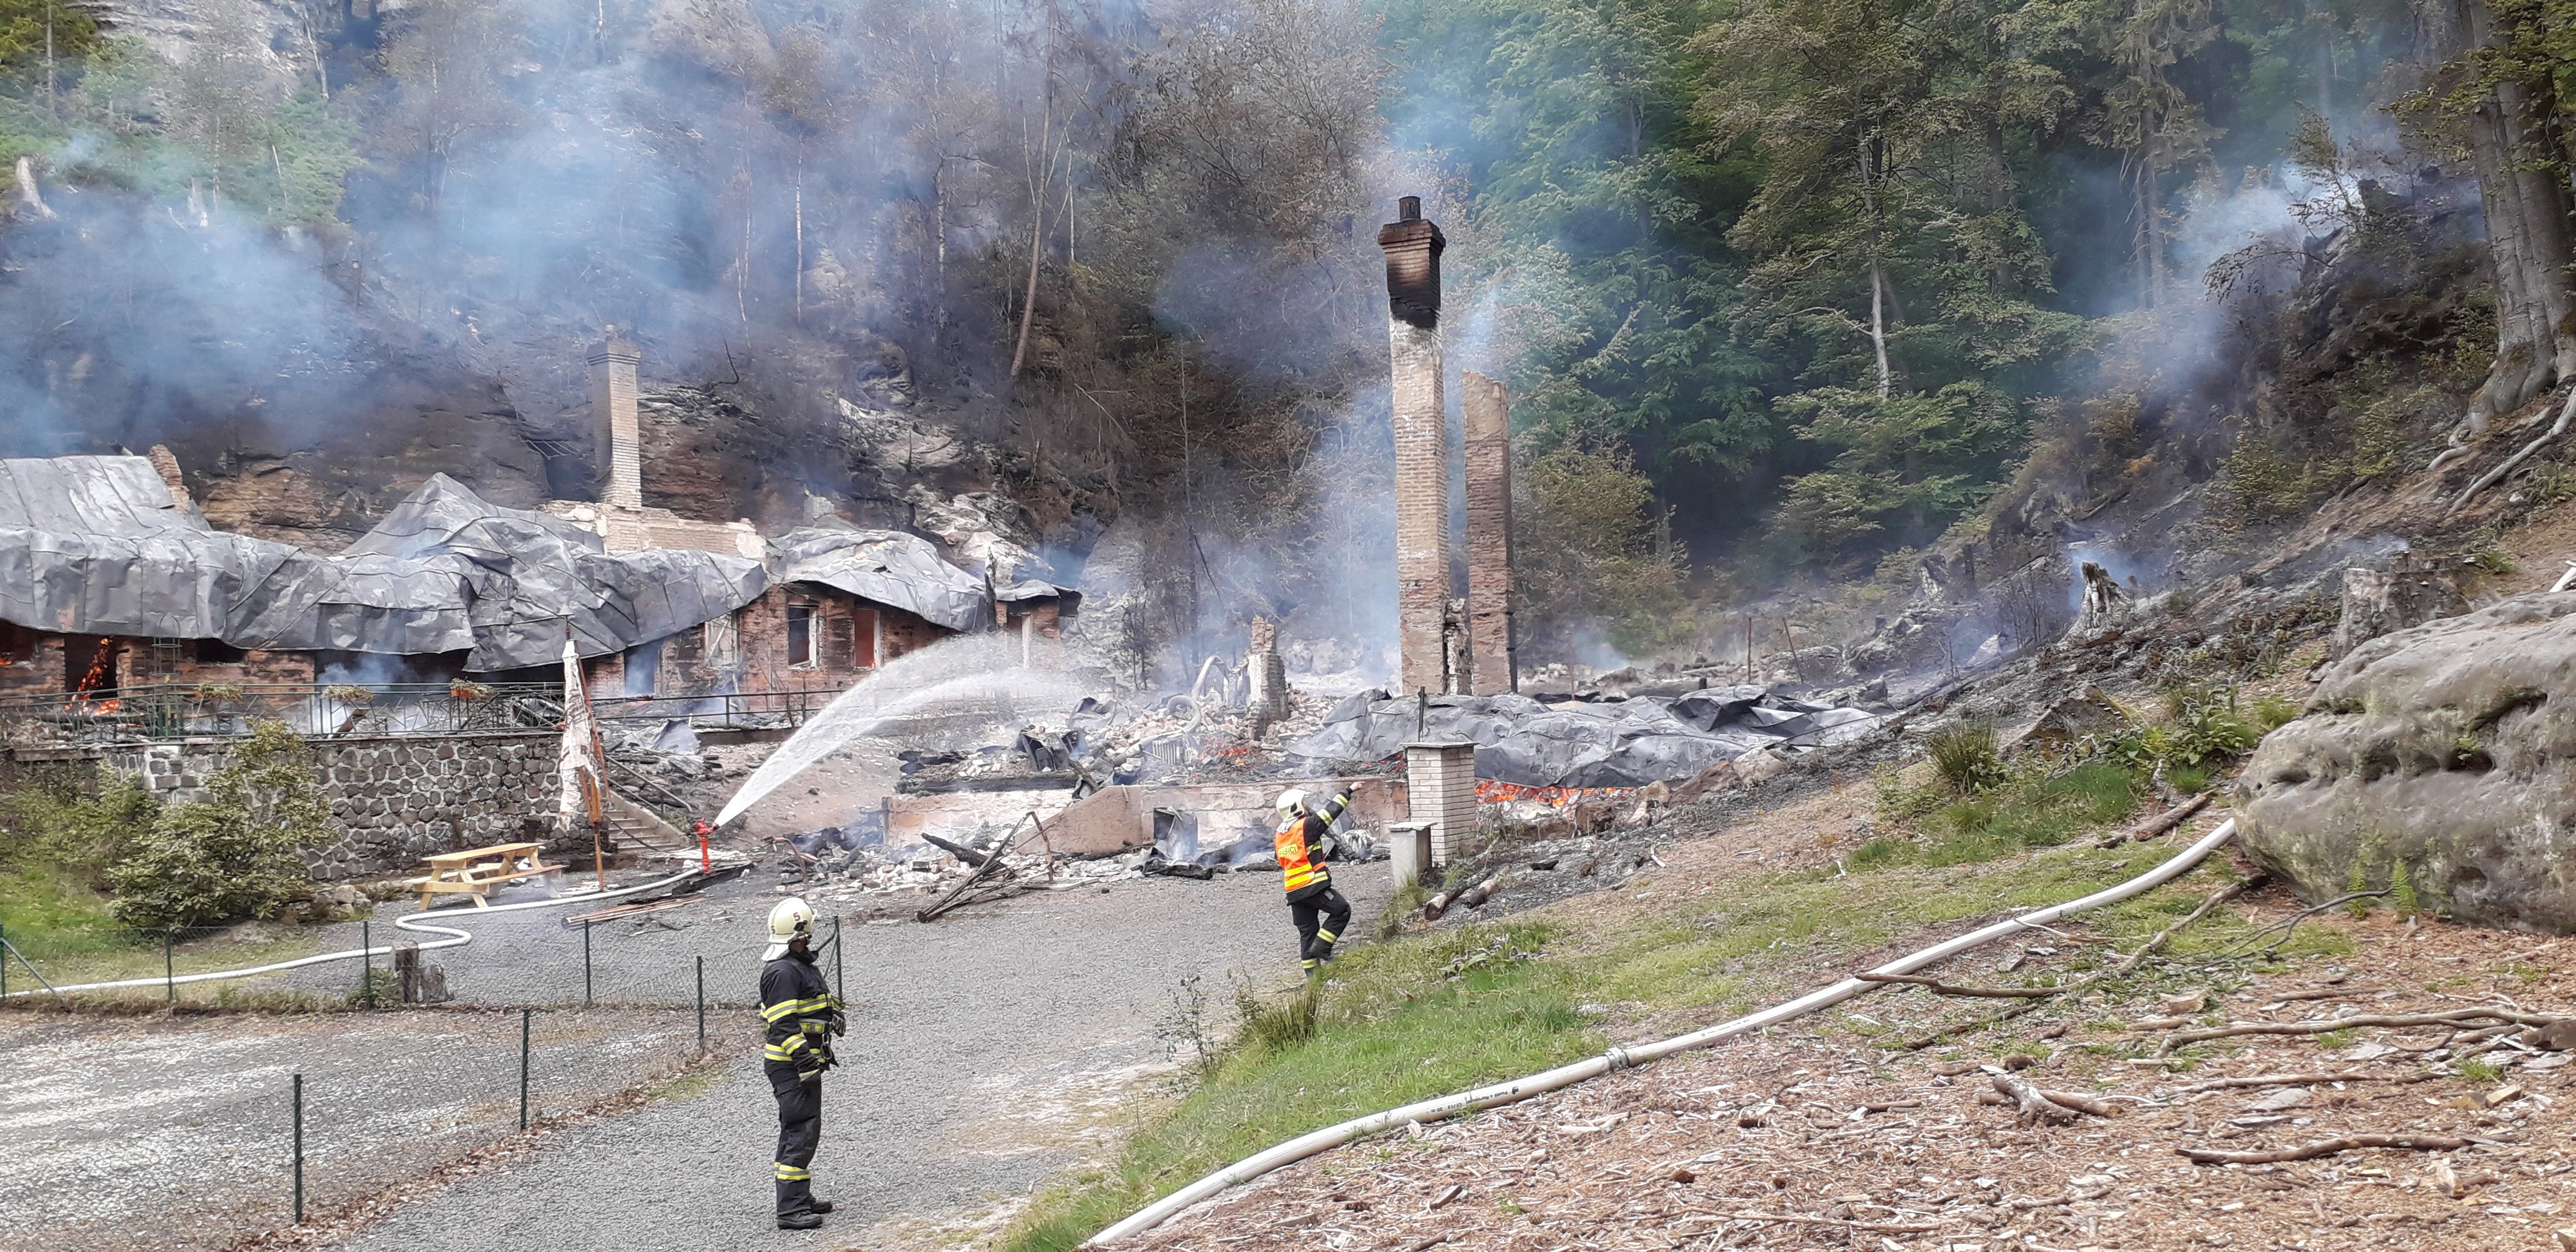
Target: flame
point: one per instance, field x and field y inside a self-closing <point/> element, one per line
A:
<point x="1488" y="791"/>
<point x="91" y="681"/>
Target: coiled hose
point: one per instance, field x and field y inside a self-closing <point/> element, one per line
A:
<point x="1518" y="1089"/>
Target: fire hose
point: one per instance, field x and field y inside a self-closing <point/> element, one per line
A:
<point x="1616" y="1059"/>
<point x="411" y="922"/>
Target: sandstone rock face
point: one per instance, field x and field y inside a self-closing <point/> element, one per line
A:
<point x="2448" y="747"/>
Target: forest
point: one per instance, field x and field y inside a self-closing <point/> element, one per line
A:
<point x="1787" y="291"/>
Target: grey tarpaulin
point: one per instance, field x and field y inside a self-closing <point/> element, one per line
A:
<point x="886" y="566"/>
<point x="94" y="545"/>
<point x="1610" y="743"/>
<point x="447" y="571"/>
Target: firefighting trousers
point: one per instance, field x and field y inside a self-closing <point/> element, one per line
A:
<point x="1321" y="919"/>
<point x="800" y="1131"/>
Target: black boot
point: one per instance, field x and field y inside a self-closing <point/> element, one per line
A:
<point x="822" y="1206"/>
<point x="808" y="1220"/>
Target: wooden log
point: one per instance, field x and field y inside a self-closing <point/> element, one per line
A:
<point x="2083" y="1103"/>
<point x="958" y="850"/>
<point x="1472" y="897"/>
<point x="2381" y="1020"/>
<point x="2158" y="824"/>
<point x="2328" y="1147"/>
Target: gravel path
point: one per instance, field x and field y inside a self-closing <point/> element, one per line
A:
<point x="984" y="1053"/>
<point x="174" y="1133"/>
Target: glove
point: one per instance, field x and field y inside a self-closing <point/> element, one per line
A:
<point x="812" y="1061"/>
<point x="839" y="1022"/>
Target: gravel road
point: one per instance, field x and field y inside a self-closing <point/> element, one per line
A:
<point x="174" y="1133"/>
<point x="985" y="1053"/>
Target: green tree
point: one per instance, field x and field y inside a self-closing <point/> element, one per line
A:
<point x="233" y="854"/>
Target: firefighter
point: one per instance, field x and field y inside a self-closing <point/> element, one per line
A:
<point x="803" y="1018"/>
<point x="1321" y="914"/>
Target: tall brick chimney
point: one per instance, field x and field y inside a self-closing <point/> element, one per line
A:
<point x="1489" y="535"/>
<point x="1413" y="246"/>
<point x="612" y="405"/>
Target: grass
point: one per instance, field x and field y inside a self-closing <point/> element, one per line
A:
<point x="1392" y="1029"/>
<point x="47" y="899"/>
<point x="2035" y="812"/>
<point x="1395" y="1024"/>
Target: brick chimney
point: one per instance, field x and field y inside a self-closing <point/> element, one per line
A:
<point x="1489" y="535"/>
<point x="1421" y="420"/>
<point x="621" y="439"/>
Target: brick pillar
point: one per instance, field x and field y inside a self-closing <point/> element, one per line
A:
<point x="1489" y="535"/>
<point x="621" y="438"/>
<point x="1440" y="789"/>
<point x="1268" y="671"/>
<point x="1421" y="421"/>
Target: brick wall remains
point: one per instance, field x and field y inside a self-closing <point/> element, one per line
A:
<point x="1489" y="534"/>
<point x="1421" y="425"/>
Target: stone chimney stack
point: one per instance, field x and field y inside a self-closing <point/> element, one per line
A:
<point x="1413" y="246"/>
<point x="1489" y="535"/>
<point x="612" y="405"/>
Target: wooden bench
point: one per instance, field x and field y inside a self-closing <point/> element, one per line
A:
<point x="476" y="871"/>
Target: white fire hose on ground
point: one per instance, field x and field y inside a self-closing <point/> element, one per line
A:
<point x="411" y="921"/>
<point x="1331" y="1137"/>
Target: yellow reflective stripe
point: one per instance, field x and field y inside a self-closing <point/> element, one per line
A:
<point x="792" y="1173"/>
<point x="783" y="1008"/>
<point x="1325" y="935"/>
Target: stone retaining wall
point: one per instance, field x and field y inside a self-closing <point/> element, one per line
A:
<point x="396" y="798"/>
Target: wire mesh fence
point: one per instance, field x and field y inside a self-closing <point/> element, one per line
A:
<point x="181" y="1127"/>
<point x="514" y="960"/>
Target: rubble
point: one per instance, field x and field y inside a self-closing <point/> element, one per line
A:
<point x="1608" y="742"/>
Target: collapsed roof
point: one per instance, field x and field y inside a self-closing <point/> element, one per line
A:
<point x="886" y="566"/>
<point x="1610" y="743"/>
<point x="448" y="571"/>
<point x="97" y="545"/>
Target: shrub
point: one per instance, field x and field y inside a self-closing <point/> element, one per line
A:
<point x="232" y="854"/>
<point x="57" y="826"/>
<point x="2401" y="890"/>
<point x="1966" y="757"/>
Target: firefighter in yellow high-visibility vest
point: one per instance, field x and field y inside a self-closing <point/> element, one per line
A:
<point x="1321" y="914"/>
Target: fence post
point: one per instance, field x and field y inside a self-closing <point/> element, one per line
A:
<point x="366" y="963"/>
<point x="585" y="963"/>
<point x="169" y="965"/>
<point x="4" y="962"/>
<point x="524" y="1015"/>
<point x="702" y="1006"/>
<point x="299" y="1149"/>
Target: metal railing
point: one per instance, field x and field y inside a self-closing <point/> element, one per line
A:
<point x="167" y="711"/>
<point x="149" y="711"/>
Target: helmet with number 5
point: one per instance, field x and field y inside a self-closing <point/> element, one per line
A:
<point x="790" y="919"/>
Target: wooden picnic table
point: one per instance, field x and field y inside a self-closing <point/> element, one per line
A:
<point x="476" y="871"/>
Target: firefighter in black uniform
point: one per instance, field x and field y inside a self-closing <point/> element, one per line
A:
<point x="803" y="1017"/>
<point x="1320" y="913"/>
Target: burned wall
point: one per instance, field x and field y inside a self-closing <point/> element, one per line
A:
<point x="395" y="799"/>
<point x="43" y="662"/>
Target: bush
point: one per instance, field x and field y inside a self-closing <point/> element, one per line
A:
<point x="234" y="853"/>
<point x="56" y="826"/>
<point x="1966" y="756"/>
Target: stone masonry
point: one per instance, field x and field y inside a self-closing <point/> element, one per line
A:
<point x="1489" y="535"/>
<point x="1421" y="428"/>
<point x="396" y="799"/>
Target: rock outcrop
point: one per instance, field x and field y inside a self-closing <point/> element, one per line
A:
<point x="2449" y="748"/>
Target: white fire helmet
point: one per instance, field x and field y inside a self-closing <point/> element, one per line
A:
<point x="1291" y="803"/>
<point x="791" y="918"/>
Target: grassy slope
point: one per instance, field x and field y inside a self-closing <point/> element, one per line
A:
<point x="1394" y="1025"/>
